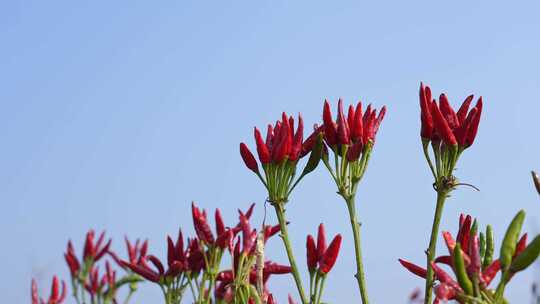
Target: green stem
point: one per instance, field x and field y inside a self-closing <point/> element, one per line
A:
<point x="311" y="281"/>
<point x="126" y="301"/>
<point x="499" y="292"/>
<point x="441" y="197"/>
<point x="355" y="225"/>
<point x="426" y="155"/>
<point x="321" y="289"/>
<point x="192" y="289"/>
<point x="280" y="212"/>
<point x="212" y="283"/>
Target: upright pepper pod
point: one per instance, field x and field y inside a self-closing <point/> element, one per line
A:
<point x="461" y="272"/>
<point x="509" y="243"/>
<point x="474" y="267"/>
<point x="490" y="247"/>
<point x="330" y="256"/>
<point x="482" y="246"/>
<point x="491" y="271"/>
<point x="311" y="253"/>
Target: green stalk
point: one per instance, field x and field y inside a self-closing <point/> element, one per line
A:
<point x="355" y="225"/>
<point x="321" y="289"/>
<point x="280" y="212"/>
<point x="311" y="281"/>
<point x="130" y="294"/>
<point x="441" y="197"/>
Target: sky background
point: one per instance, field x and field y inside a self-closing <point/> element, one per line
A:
<point x="115" y="115"/>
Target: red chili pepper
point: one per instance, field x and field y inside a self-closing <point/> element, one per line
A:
<point x="171" y="252"/>
<point x="413" y="268"/>
<point x="269" y="136"/>
<point x="444" y="277"/>
<point x="223" y="241"/>
<point x="444" y="259"/>
<point x="357" y="128"/>
<point x="143" y="270"/>
<point x="369" y="125"/>
<point x="449" y="240"/>
<point x="157" y="263"/>
<point x="321" y="242"/>
<point x="491" y="271"/>
<point x="194" y="256"/>
<point x="200" y="223"/>
<point x="464" y="230"/>
<point x="275" y="137"/>
<point x="270" y="231"/>
<point x="281" y="148"/>
<point x="135" y="253"/>
<point x="473" y="129"/>
<point x="330" y="128"/>
<point x="350" y="120"/>
<point x="220" y="226"/>
<point x="330" y="255"/>
<point x="462" y="112"/>
<point x="249" y="212"/>
<point x="311" y="253"/>
<point x="307" y="146"/>
<point x="474" y="254"/>
<point x="262" y="149"/>
<point x="298" y="142"/>
<point x="448" y="112"/>
<point x="462" y="131"/>
<point x="426" y="130"/>
<point x="367" y="116"/>
<point x="274" y="268"/>
<point x="56" y="296"/>
<point x="71" y="260"/>
<point x="342" y="126"/>
<point x="93" y="284"/>
<point x="442" y="127"/>
<point x="249" y="240"/>
<point x="290" y="134"/>
<point x="110" y="274"/>
<point x="379" y="120"/>
<point x="248" y="158"/>
<point x="521" y="245"/>
<point x="89" y="250"/>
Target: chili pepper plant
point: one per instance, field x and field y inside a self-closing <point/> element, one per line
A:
<point x="224" y="261"/>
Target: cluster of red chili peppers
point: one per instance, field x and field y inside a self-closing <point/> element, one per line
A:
<point x="344" y="145"/>
<point x="471" y="259"/>
<point x="320" y="260"/>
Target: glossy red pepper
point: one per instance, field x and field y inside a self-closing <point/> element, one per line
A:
<point x="248" y="158"/>
<point x="311" y="253"/>
<point x="413" y="268"/>
<point x="330" y="256"/>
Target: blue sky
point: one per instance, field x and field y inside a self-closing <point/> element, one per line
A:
<point x="116" y="115"/>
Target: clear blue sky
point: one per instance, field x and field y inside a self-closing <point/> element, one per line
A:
<point x="116" y="114"/>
